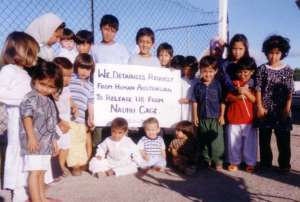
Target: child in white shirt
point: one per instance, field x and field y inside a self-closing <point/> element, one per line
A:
<point x="67" y="44"/>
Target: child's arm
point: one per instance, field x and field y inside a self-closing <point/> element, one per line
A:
<point x="144" y="155"/>
<point x="221" y="118"/>
<point x="248" y="94"/>
<point x="64" y="126"/>
<point x="91" y="115"/>
<point x="261" y="111"/>
<point x="32" y="143"/>
<point x="74" y="108"/>
<point x="184" y="101"/>
<point x="195" y="113"/>
<point x="101" y="150"/>
<point x="287" y="108"/>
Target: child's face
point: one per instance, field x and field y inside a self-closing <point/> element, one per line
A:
<point x="187" y="72"/>
<point x="164" y="58"/>
<point x="274" y="56"/>
<point x="145" y="44"/>
<point x="55" y="37"/>
<point x="208" y="73"/>
<point x="84" y="73"/>
<point x="180" y="135"/>
<point x="45" y="87"/>
<point x="117" y="134"/>
<point x="83" y="47"/>
<point x="67" y="74"/>
<point x="67" y="44"/>
<point x="245" y="74"/>
<point x="238" y="50"/>
<point x="108" y="33"/>
<point x="152" y="130"/>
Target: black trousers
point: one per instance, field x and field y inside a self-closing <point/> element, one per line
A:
<point x="283" y="138"/>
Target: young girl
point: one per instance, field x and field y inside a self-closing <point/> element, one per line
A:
<point x="38" y="126"/>
<point x="46" y="30"/>
<point x="184" y="147"/>
<point x="165" y="54"/>
<point x="275" y="86"/>
<point x="188" y="82"/>
<point x="18" y="54"/>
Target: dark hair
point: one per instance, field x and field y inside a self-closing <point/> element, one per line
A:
<point x="61" y="26"/>
<point x="119" y="123"/>
<point x="44" y="70"/>
<point x="246" y="64"/>
<point x="177" y="61"/>
<point x="151" y="120"/>
<point x="68" y="34"/>
<point x="85" y="61"/>
<point x="208" y="61"/>
<point x="238" y="38"/>
<point x="276" y="41"/>
<point x="63" y="62"/>
<point x="20" y="49"/>
<point x="186" y="127"/>
<point x="166" y="47"/>
<point x="191" y="61"/>
<point x="84" y="36"/>
<point x="145" y="31"/>
<point x="110" y="20"/>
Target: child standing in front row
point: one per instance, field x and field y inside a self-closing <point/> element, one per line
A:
<point x="38" y="135"/>
<point x="275" y="86"/>
<point x="152" y="146"/>
<point x="241" y="133"/>
<point x="145" y="40"/>
<point x="208" y="113"/>
<point x="116" y="155"/>
<point x="83" y="97"/>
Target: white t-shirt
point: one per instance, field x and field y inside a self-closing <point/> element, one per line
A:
<point x="113" y="53"/>
<point x="145" y="61"/>
<point x="70" y="54"/>
<point x="64" y="104"/>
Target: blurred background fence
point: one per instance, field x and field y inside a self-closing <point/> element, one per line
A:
<point x="187" y="28"/>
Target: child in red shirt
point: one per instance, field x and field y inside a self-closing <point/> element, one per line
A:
<point x="242" y="141"/>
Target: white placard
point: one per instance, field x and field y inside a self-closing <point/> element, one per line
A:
<point x="136" y="93"/>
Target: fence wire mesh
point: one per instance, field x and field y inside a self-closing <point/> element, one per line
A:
<point x="188" y="29"/>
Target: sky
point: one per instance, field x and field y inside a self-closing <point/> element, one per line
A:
<point x="258" y="19"/>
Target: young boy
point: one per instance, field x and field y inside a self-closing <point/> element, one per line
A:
<point x="145" y="40"/>
<point x="67" y="44"/>
<point x="117" y="154"/>
<point x="63" y="103"/>
<point x="241" y="134"/>
<point x="83" y="96"/>
<point x="108" y="50"/>
<point x="165" y="54"/>
<point x="84" y="40"/>
<point x="152" y="146"/>
<point x="208" y="113"/>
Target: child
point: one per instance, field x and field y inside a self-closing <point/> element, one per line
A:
<point x="84" y="40"/>
<point x="184" y="148"/>
<point x="117" y="154"/>
<point x="145" y="40"/>
<point x="83" y="96"/>
<point x="165" y="54"/>
<point x="46" y="30"/>
<point x="38" y="122"/>
<point x="63" y="103"/>
<point x="152" y="146"/>
<point x="216" y="48"/>
<point x="208" y="113"/>
<point x="67" y="44"/>
<point x="108" y="50"/>
<point x="177" y="62"/>
<point x="18" y="54"/>
<point x="275" y="86"/>
<point x="241" y="134"/>
<point x="188" y="82"/>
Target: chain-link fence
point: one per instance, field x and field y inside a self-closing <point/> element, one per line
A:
<point x="187" y="28"/>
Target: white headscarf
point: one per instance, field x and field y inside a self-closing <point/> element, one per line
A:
<point x="41" y="29"/>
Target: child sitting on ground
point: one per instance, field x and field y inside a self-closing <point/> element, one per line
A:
<point x="117" y="154"/>
<point x="152" y="146"/>
<point x="184" y="147"/>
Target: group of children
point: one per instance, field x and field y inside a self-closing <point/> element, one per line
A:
<point x="49" y="104"/>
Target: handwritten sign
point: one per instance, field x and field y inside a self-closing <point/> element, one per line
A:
<point x="136" y="93"/>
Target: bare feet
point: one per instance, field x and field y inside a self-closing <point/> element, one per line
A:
<point x="110" y="172"/>
<point x="100" y="175"/>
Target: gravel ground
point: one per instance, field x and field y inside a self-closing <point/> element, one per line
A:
<point x="206" y="185"/>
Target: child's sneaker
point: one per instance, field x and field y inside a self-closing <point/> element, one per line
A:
<point x="232" y="168"/>
<point x="250" y="169"/>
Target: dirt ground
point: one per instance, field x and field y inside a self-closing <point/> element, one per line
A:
<point x="207" y="185"/>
